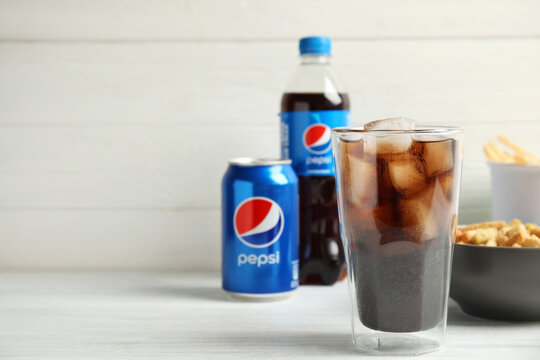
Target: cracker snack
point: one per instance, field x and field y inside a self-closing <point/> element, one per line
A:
<point x="498" y="233"/>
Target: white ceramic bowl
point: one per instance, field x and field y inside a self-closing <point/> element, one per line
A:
<point x="515" y="190"/>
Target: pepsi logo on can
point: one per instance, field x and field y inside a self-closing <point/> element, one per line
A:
<point x="259" y="228"/>
<point x="258" y="222"/>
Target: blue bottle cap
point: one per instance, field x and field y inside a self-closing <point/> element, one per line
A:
<point x="315" y="45"/>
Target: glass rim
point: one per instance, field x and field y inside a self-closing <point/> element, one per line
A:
<point x="422" y="130"/>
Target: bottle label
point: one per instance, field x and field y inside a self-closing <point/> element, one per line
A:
<point x="306" y="139"/>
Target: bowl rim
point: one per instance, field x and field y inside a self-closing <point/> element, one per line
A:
<point x="506" y="165"/>
<point x="497" y="247"/>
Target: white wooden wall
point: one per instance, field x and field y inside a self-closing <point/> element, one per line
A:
<point x="117" y="117"/>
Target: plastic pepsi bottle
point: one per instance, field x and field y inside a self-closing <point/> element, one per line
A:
<point x="312" y="104"/>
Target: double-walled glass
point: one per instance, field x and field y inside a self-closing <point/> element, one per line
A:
<point x="398" y="196"/>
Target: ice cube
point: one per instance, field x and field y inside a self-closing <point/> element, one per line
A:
<point x="385" y="189"/>
<point x="407" y="176"/>
<point x="385" y="216"/>
<point x="397" y="123"/>
<point x="417" y="216"/>
<point x="446" y="182"/>
<point x="358" y="175"/>
<point x="442" y="207"/>
<point x="359" y="181"/>
<point x="438" y="157"/>
<point x="354" y="148"/>
<point x="377" y="219"/>
<point x="387" y="144"/>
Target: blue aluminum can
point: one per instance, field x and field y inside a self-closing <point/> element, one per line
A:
<point x="259" y="210"/>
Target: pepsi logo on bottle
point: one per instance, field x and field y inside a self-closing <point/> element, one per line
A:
<point x="306" y="140"/>
<point x="317" y="139"/>
<point x="259" y="228"/>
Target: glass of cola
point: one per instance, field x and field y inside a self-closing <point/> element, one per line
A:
<point x="398" y="189"/>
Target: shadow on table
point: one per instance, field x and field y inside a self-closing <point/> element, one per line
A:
<point x="290" y="342"/>
<point x="456" y="316"/>
<point x="184" y="292"/>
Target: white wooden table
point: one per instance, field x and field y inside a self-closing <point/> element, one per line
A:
<point x="186" y="316"/>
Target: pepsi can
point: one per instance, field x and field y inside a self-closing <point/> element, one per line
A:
<point x="259" y="229"/>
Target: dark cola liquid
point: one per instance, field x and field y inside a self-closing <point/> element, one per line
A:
<point x="399" y="213"/>
<point x="321" y="256"/>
